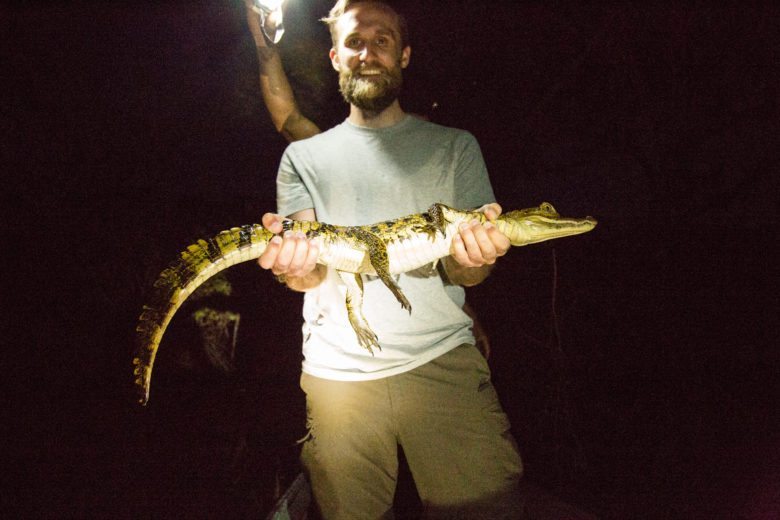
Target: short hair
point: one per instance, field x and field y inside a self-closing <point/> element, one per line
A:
<point x="342" y="6"/>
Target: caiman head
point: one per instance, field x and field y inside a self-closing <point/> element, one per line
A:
<point x="532" y="225"/>
<point x="525" y="226"/>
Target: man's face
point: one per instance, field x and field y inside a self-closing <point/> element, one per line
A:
<point x="369" y="57"/>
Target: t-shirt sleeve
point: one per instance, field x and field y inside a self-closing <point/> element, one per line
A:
<point x="472" y="184"/>
<point x="291" y="192"/>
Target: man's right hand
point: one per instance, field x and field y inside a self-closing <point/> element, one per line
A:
<point x="292" y="254"/>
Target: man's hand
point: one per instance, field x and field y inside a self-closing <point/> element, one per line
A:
<point x="291" y="255"/>
<point x="476" y="248"/>
<point x="480" y="244"/>
<point x="255" y="22"/>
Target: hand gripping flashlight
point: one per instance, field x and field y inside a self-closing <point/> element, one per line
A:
<point x="270" y="12"/>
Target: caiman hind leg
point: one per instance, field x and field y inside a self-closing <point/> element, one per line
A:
<point x="366" y="337"/>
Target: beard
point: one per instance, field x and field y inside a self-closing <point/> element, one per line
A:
<point x="372" y="93"/>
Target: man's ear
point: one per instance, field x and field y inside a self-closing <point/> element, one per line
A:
<point x="405" y="54"/>
<point x="334" y="59"/>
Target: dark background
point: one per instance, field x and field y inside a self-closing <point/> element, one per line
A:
<point x="638" y="363"/>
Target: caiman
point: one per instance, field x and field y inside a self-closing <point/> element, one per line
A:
<point x="384" y="249"/>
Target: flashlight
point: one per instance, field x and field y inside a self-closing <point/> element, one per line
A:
<point x="270" y="9"/>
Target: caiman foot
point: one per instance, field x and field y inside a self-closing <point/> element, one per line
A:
<point x="367" y="339"/>
<point x="365" y="336"/>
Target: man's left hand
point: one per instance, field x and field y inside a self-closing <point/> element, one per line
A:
<point x="480" y="244"/>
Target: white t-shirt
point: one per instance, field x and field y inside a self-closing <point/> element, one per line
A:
<point x="357" y="176"/>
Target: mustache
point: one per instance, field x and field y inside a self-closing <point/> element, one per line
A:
<point x="371" y="71"/>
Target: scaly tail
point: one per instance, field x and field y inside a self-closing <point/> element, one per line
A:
<point x="196" y="264"/>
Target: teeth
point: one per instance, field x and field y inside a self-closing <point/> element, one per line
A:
<point x="370" y="72"/>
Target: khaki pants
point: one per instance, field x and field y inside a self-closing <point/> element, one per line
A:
<point x="447" y="417"/>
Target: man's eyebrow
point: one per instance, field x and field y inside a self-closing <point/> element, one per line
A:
<point x="387" y="30"/>
<point x="382" y="30"/>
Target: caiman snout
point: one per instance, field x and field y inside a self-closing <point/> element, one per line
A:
<point x="530" y="226"/>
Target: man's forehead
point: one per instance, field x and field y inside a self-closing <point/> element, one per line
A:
<point x="368" y="16"/>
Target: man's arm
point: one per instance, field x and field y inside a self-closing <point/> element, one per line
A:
<point x="277" y="92"/>
<point x="475" y="249"/>
<point x="292" y="257"/>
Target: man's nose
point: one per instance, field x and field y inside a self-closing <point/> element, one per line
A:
<point x="368" y="52"/>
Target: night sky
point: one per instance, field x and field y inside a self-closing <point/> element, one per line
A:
<point x="637" y="363"/>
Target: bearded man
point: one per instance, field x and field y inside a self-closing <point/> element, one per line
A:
<point x="428" y="389"/>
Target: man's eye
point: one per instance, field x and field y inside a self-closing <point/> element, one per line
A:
<point x="353" y="42"/>
<point x="382" y="42"/>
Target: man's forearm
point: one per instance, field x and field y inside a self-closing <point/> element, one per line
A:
<point x="277" y="92"/>
<point x="465" y="276"/>
<point x="279" y="98"/>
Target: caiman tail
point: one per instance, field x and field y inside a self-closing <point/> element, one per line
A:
<point x="195" y="265"/>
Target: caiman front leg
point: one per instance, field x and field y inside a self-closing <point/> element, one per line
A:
<point x="354" y="302"/>
<point x="380" y="262"/>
